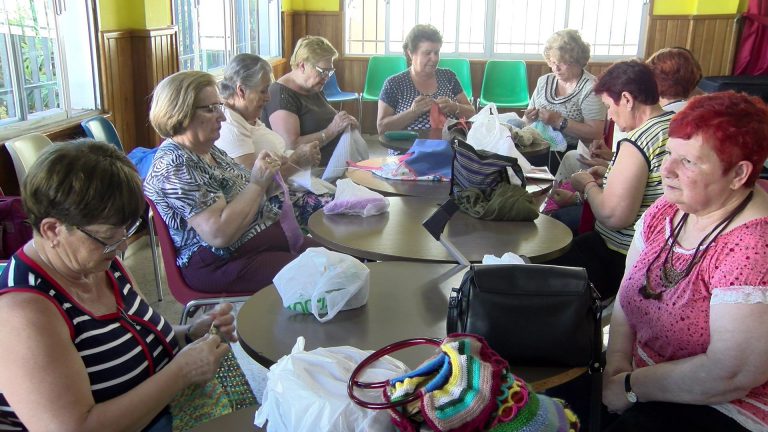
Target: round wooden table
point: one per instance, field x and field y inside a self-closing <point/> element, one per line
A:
<point x="403" y="146"/>
<point x="406" y="300"/>
<point x="398" y="235"/>
<point x="431" y="189"/>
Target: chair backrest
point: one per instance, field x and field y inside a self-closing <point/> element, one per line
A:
<point x="505" y="83"/>
<point x="176" y="283"/>
<point x="24" y="151"/>
<point x="101" y="129"/>
<point x="459" y="66"/>
<point x="379" y="69"/>
<point x="334" y="94"/>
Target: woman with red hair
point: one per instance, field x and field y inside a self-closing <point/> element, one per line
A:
<point x="688" y="337"/>
<point x="677" y="74"/>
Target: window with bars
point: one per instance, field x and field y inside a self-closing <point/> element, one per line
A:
<point x="44" y="78"/>
<point x="213" y="31"/>
<point x="496" y="28"/>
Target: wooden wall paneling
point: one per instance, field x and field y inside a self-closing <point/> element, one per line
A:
<point x="711" y="38"/>
<point x="156" y="55"/>
<point x="288" y="34"/>
<point x="117" y="74"/>
<point x="328" y="25"/>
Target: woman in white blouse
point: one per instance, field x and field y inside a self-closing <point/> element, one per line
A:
<point x="244" y="90"/>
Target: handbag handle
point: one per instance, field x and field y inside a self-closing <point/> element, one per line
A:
<point x="376" y="355"/>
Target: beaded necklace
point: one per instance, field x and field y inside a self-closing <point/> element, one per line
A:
<point x="670" y="276"/>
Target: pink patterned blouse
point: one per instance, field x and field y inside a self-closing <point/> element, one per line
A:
<point x="734" y="270"/>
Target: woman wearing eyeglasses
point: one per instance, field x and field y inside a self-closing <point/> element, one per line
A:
<point x="407" y="98"/>
<point x="564" y="99"/>
<point x="228" y="235"/>
<point x="80" y="348"/>
<point x="688" y="342"/>
<point x="297" y="109"/>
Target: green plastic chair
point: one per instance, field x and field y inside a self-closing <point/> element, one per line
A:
<point x="505" y="83"/>
<point x="459" y="66"/>
<point x="379" y="69"/>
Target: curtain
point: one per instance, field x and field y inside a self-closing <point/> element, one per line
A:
<point x="751" y="58"/>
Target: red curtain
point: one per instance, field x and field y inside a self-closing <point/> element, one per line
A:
<point x="752" y="57"/>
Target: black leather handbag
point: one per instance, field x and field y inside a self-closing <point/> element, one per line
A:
<point x="537" y="315"/>
<point x="534" y="315"/>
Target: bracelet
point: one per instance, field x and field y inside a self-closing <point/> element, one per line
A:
<point x="563" y="124"/>
<point x="458" y="108"/>
<point x="586" y="186"/>
<point x="322" y="137"/>
<point x="579" y="201"/>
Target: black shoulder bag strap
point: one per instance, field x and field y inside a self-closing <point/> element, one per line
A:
<point x="596" y="365"/>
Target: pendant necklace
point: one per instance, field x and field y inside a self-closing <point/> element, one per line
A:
<point x="671" y="276"/>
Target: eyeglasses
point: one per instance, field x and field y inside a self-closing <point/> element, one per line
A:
<point x="212" y="108"/>
<point x="325" y="72"/>
<point x="111" y="247"/>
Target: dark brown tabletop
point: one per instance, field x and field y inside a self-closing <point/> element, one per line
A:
<point x="406" y="300"/>
<point x="397" y="235"/>
<point x="431" y="189"/>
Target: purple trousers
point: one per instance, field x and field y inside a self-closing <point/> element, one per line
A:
<point x="250" y="268"/>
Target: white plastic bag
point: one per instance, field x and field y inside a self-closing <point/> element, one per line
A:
<point x="351" y="198"/>
<point x="323" y="282"/>
<point x="488" y="133"/>
<point x="307" y="391"/>
<point x="351" y="147"/>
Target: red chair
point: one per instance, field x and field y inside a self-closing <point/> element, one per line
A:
<point x="178" y="287"/>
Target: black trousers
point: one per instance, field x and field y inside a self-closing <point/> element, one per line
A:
<point x="672" y="417"/>
<point x="605" y="266"/>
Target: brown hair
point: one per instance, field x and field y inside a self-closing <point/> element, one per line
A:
<point x="677" y="72"/>
<point x="83" y="182"/>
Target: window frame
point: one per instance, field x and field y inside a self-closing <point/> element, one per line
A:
<point x="231" y="33"/>
<point x="489" y="36"/>
<point x="54" y="118"/>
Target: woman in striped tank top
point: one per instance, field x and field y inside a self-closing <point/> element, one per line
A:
<point x="81" y="350"/>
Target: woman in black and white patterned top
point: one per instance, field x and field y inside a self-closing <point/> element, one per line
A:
<point x="407" y="97"/>
<point x="80" y="348"/>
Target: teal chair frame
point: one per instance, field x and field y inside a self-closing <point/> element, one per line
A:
<point x="505" y="83"/>
<point x="101" y="129"/>
<point x="460" y="66"/>
<point x="334" y="94"/>
<point x="379" y="69"/>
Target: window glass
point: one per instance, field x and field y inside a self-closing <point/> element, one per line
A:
<point x="496" y="28"/>
<point x="212" y="31"/>
<point x="43" y="78"/>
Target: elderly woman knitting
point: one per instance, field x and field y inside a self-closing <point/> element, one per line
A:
<point x="244" y="89"/>
<point x="228" y="235"/>
<point x="688" y="343"/>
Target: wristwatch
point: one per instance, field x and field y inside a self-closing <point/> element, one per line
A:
<point x="563" y="124"/>
<point x="631" y="396"/>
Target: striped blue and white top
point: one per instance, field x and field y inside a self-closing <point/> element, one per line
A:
<point x="119" y="351"/>
<point x="651" y="140"/>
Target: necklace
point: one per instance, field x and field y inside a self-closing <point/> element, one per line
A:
<point x="45" y="260"/>
<point x="671" y="276"/>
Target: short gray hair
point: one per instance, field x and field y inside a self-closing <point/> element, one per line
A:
<point x="246" y="70"/>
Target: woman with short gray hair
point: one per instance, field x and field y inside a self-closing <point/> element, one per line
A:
<point x="564" y="99"/>
<point x="244" y="89"/>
